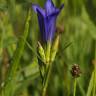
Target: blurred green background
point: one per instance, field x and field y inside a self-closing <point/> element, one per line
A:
<point x="78" y="23"/>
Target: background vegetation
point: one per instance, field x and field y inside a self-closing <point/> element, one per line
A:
<point x="77" y="22"/>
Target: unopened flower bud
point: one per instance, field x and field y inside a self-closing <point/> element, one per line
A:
<point x="48" y="48"/>
<point x="54" y="48"/>
<point x="41" y="52"/>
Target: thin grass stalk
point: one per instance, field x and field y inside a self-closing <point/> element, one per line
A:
<point x="81" y="89"/>
<point x="94" y="87"/>
<point x="89" y="91"/>
<point x="11" y="77"/>
<point x="75" y="83"/>
<point x="94" y="84"/>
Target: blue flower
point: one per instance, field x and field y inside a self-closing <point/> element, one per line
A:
<point x="47" y="19"/>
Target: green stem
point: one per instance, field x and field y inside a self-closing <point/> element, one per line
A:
<point x="90" y="85"/>
<point x="46" y="81"/>
<point x="11" y="76"/>
<point x="75" y="82"/>
<point x="94" y="86"/>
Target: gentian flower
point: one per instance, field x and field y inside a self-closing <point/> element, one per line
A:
<point x="47" y="19"/>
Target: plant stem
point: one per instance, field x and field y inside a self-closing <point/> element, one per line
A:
<point x="94" y="86"/>
<point x="90" y="85"/>
<point x="46" y="80"/>
<point x="75" y="82"/>
<point x="11" y="76"/>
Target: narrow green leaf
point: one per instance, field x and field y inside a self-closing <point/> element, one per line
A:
<point x="10" y="80"/>
<point x="89" y="91"/>
<point x="24" y="83"/>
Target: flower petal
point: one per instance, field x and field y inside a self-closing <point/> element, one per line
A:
<point x="61" y="7"/>
<point x="37" y="7"/>
<point x="50" y="26"/>
<point x="41" y="24"/>
<point x="57" y="11"/>
<point x="49" y="7"/>
<point x="47" y="19"/>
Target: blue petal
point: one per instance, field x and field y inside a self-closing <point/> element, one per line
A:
<point x="37" y="7"/>
<point x="47" y="19"/>
<point x="49" y="7"/>
<point x="57" y="11"/>
<point x="50" y="26"/>
<point x="41" y="24"/>
<point x="61" y="7"/>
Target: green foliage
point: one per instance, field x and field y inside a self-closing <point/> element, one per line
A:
<point x="19" y="70"/>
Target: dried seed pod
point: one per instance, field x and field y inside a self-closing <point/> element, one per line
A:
<point x="75" y="71"/>
<point x="60" y="29"/>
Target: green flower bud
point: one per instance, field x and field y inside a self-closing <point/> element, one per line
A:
<point x="41" y="52"/>
<point x="48" y="48"/>
<point x="54" y="48"/>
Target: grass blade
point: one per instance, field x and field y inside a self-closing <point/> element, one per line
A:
<point x="10" y="80"/>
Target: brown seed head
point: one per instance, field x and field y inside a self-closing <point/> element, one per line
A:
<point x="75" y="71"/>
